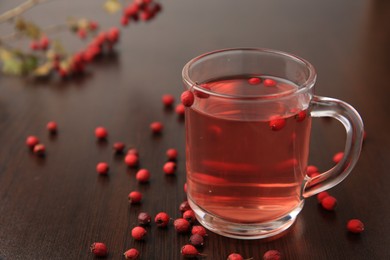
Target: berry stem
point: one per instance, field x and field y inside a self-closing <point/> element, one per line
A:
<point x="18" y="10"/>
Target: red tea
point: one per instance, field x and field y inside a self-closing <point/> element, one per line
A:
<point x="240" y="167"/>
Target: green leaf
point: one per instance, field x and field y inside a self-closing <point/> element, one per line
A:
<point x="11" y="64"/>
<point x="30" y="63"/>
<point x="112" y="6"/>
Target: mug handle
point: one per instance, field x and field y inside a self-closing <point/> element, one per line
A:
<point x="350" y="118"/>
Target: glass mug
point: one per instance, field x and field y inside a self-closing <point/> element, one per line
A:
<point x="247" y="140"/>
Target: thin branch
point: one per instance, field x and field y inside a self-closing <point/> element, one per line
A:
<point x="20" y="9"/>
<point x="47" y="30"/>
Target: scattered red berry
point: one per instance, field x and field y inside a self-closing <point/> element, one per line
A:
<point x="300" y="116"/>
<point x="277" y="124"/>
<point x="196" y="240"/>
<point x="322" y="195"/>
<point x="44" y="43"/>
<point x="118" y="147"/>
<point x="200" y="230"/>
<point x="171" y="154"/>
<point x="269" y="83"/>
<point x="355" y="226"/>
<point x="39" y="149"/>
<point x="93" y="25"/>
<point x="143" y="175"/>
<point x="32" y="141"/>
<point x="124" y="20"/>
<point x="168" y="100"/>
<point x="180" y="110"/>
<point x="52" y="127"/>
<point x="135" y="197"/>
<point x="156" y="127"/>
<point x="169" y="168"/>
<point x="235" y="256"/>
<point x="254" y="81"/>
<point x="329" y="203"/>
<point x="144" y="219"/>
<point x="189" y="215"/>
<point x="182" y="225"/>
<point x="131" y="254"/>
<point x="133" y="151"/>
<point x="272" y="255"/>
<point x="338" y="157"/>
<point x="101" y="132"/>
<point x="34" y="45"/>
<point x="310" y="169"/>
<point x="102" y="168"/>
<point x="82" y="33"/>
<point x="189" y="251"/>
<point x="99" y="249"/>
<point x="131" y="160"/>
<point x="187" y="98"/>
<point x="162" y="219"/>
<point x="184" y="206"/>
<point x="113" y="35"/>
<point x="138" y="233"/>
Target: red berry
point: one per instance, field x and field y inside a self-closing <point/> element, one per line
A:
<point x="124" y="20"/>
<point x="184" y="206"/>
<point x="143" y="175"/>
<point x="118" y="147"/>
<point x="355" y="226"/>
<point x="156" y="127"/>
<point x="32" y="141"/>
<point x="171" y="154"/>
<point x="322" y="195"/>
<point x="201" y="94"/>
<point x="272" y="255"/>
<point x="329" y="203"/>
<point x="63" y="72"/>
<point x="310" y="169"/>
<point x="102" y="168"/>
<point x="52" y="127"/>
<point x="300" y="116"/>
<point x="131" y="254"/>
<point x="144" y="219"/>
<point x="44" y="43"/>
<point x="254" y="81"/>
<point x="133" y="151"/>
<point x="93" y="25"/>
<point x="131" y="160"/>
<point x="199" y="230"/>
<point x="162" y="219"/>
<point x="269" y="83"/>
<point x="235" y="256"/>
<point x="82" y="33"/>
<point x="277" y="123"/>
<point x="113" y="35"/>
<point x="196" y="240"/>
<point x="169" y="168"/>
<point x="189" y="251"/>
<point x="99" y="249"/>
<point x="182" y="225"/>
<point x="180" y="110"/>
<point x="34" y="45"/>
<point x="39" y="149"/>
<point x="138" y="233"/>
<point x="168" y="100"/>
<point x="101" y="132"/>
<point x="189" y="215"/>
<point x="338" y="157"/>
<point x="135" y="197"/>
<point x="146" y="15"/>
<point x="185" y="187"/>
<point x="131" y="9"/>
<point x="187" y="98"/>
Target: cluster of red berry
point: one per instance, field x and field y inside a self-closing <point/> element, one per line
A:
<point x="140" y="9"/>
<point x="42" y="44"/>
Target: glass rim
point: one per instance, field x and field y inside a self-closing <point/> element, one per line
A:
<point x="304" y="87"/>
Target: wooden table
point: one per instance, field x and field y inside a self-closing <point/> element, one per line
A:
<point x="55" y="207"/>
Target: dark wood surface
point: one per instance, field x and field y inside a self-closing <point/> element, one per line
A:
<point x="55" y="207"/>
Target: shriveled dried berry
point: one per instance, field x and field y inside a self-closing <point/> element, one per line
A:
<point x="322" y="195"/>
<point x="355" y="226"/>
<point x="162" y="219"/>
<point x="118" y="147"/>
<point x="272" y="255"/>
<point x="131" y="160"/>
<point x="39" y="149"/>
<point x="101" y="132"/>
<point x="32" y="141"/>
<point x="338" y="157"/>
<point x="277" y="123"/>
<point x="156" y="127"/>
<point x="99" y="249"/>
<point x="329" y="203"/>
<point x="189" y="251"/>
<point x="189" y="215"/>
<point x="169" y="168"/>
<point x="180" y="110"/>
<point x="187" y="98"/>
<point x="135" y="197"/>
<point x="184" y="206"/>
<point x="52" y="127"/>
<point x="168" y="100"/>
<point x="138" y="233"/>
<point x="182" y="225"/>
<point x="254" y="81"/>
<point x="200" y="230"/>
<point x="196" y="240"/>
<point x="143" y="175"/>
<point x="102" y="168"/>
<point x="269" y="83"/>
<point x="171" y="154"/>
<point x="144" y="219"/>
<point x="131" y="254"/>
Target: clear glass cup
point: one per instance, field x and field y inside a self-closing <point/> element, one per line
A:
<point x="247" y="140"/>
